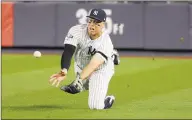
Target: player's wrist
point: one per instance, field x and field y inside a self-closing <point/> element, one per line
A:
<point x="63" y="71"/>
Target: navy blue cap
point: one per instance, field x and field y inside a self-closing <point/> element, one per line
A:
<point x="98" y="14"/>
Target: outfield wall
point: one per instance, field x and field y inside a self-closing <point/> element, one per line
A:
<point x="145" y="26"/>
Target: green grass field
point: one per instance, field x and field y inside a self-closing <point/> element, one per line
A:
<point x="144" y="88"/>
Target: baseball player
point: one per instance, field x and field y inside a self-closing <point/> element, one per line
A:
<point x="94" y="60"/>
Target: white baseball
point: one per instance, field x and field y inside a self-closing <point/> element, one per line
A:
<point x="37" y="54"/>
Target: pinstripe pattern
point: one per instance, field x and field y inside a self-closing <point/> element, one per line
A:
<point x="98" y="86"/>
<point x="99" y="80"/>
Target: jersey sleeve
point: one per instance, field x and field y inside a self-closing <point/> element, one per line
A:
<point x="105" y="48"/>
<point x="72" y="36"/>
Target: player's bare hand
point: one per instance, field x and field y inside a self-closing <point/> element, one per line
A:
<point x="56" y="79"/>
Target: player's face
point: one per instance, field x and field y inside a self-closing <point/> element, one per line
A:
<point x="94" y="27"/>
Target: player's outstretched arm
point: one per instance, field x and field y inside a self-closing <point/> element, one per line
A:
<point x="95" y="62"/>
<point x="77" y="85"/>
<point x="56" y="79"/>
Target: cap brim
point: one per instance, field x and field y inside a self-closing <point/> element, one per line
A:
<point x="94" y="18"/>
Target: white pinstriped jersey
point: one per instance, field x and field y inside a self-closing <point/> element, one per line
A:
<point x="86" y="48"/>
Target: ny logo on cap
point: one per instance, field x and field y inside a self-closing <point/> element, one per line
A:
<point x="95" y="12"/>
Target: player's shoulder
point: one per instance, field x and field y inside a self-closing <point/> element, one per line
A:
<point x="78" y="28"/>
<point x="106" y="37"/>
<point x="106" y="34"/>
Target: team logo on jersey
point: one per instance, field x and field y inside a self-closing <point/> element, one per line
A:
<point x="95" y="12"/>
<point x="91" y="51"/>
